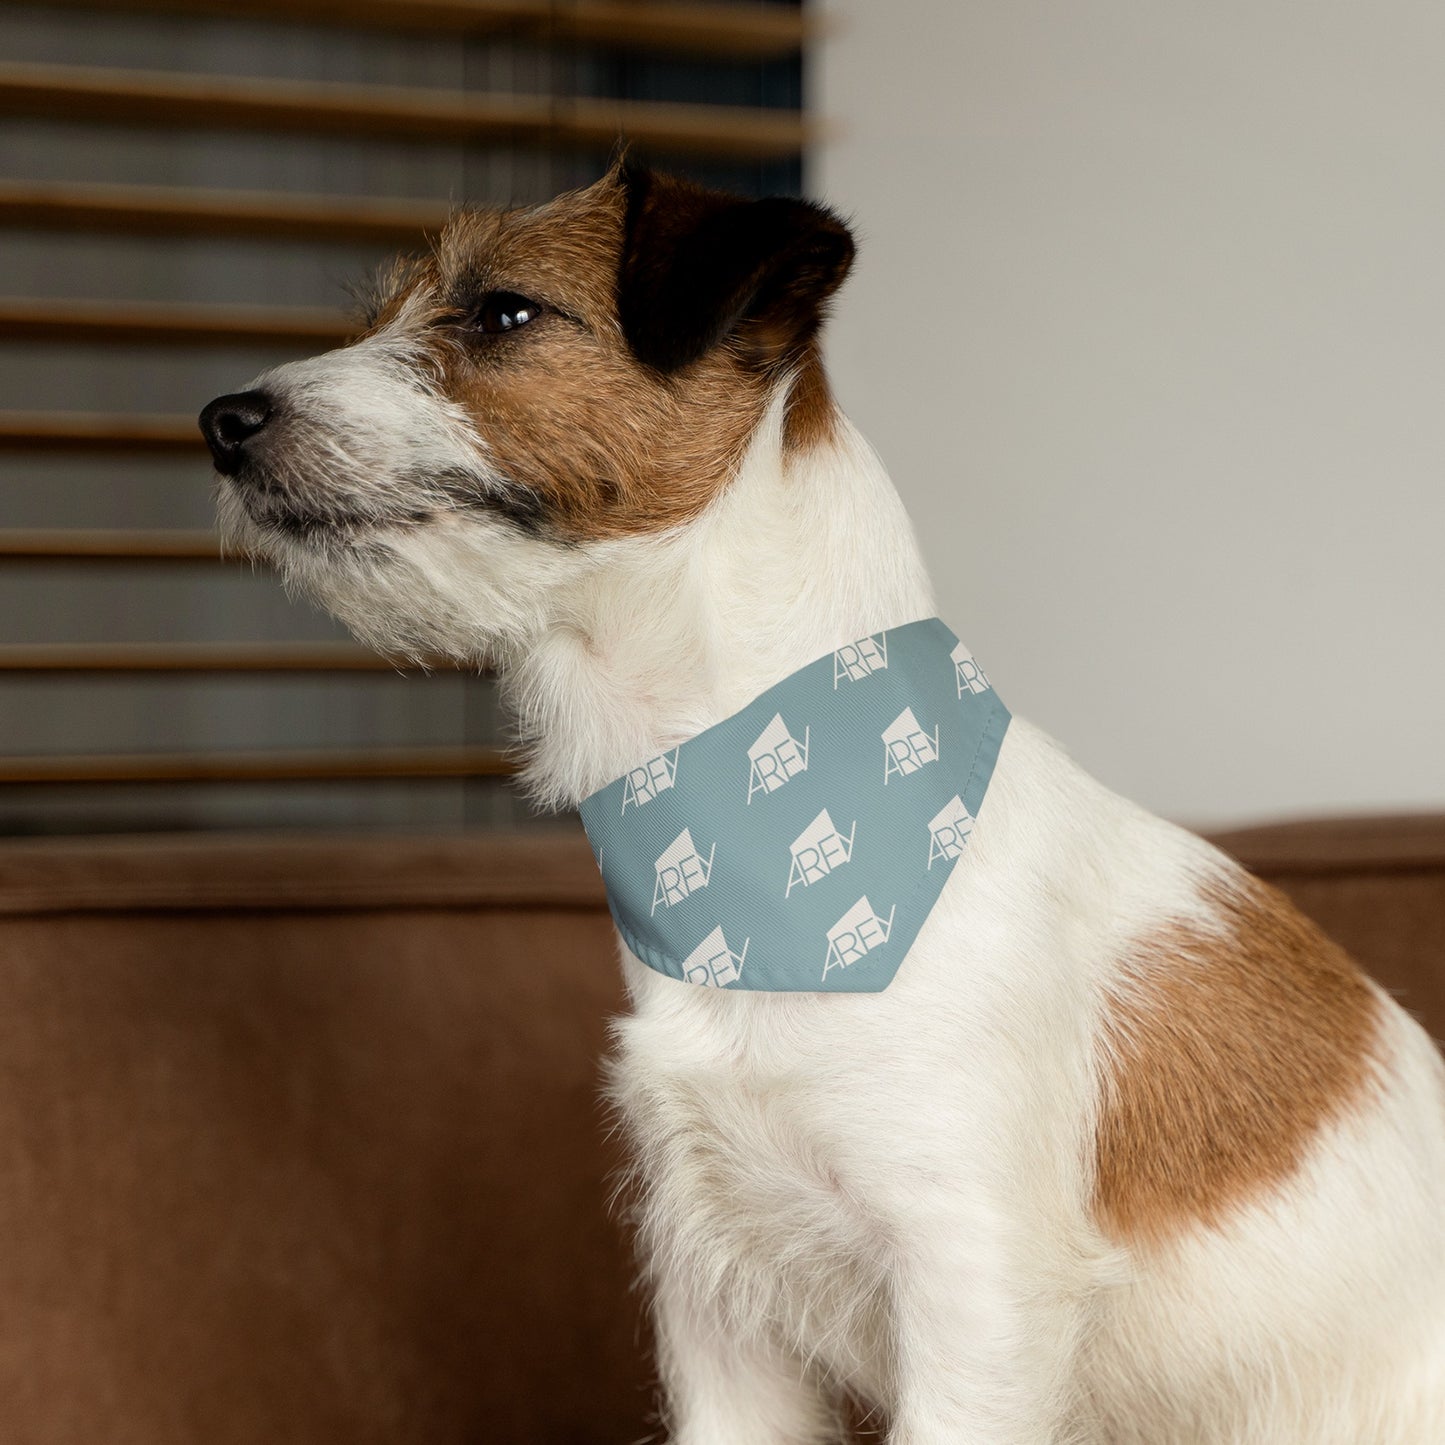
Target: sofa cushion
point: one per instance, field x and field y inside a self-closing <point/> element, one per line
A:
<point x="300" y="1138"/>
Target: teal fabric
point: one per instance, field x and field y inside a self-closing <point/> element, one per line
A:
<point x="801" y="844"/>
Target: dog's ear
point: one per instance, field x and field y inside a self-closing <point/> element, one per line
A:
<point x="699" y="266"/>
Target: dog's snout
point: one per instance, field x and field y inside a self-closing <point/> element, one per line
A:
<point x="229" y="422"/>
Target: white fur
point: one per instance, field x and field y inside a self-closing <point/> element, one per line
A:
<point x="889" y="1194"/>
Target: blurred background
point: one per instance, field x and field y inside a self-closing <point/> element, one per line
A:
<point x="1147" y="323"/>
<point x="187" y="191"/>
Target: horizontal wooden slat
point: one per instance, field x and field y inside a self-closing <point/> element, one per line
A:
<point x="72" y="544"/>
<point x="212" y="102"/>
<point x="171" y="210"/>
<point x="547" y="867"/>
<point x="190" y="657"/>
<point x="756" y="31"/>
<point x="721" y="29"/>
<point x="84" y="431"/>
<point x="258" y="767"/>
<point x="169" y="324"/>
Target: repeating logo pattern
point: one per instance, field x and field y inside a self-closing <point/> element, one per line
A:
<point x="713" y="964"/>
<point x="681" y="870"/>
<point x="970" y="675"/>
<point x="775" y="757"/>
<point x="643" y="784"/>
<point x="948" y="831"/>
<point x="855" y="661"/>
<point x="907" y="746"/>
<point x="856" y="934"/>
<point x="817" y="851"/>
<point x="820" y="873"/>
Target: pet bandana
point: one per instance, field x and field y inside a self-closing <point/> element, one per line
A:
<point x="800" y="845"/>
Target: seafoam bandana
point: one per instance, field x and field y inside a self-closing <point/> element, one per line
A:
<point x="801" y="844"/>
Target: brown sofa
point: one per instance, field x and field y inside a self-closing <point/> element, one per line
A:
<point x="300" y="1140"/>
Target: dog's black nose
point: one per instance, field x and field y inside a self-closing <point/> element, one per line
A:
<point x="229" y="422"/>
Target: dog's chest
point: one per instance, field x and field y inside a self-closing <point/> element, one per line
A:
<point x="743" y="1180"/>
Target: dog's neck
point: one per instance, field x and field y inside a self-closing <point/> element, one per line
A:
<point x="802" y="553"/>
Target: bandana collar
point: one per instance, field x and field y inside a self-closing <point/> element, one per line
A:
<point x="800" y="845"/>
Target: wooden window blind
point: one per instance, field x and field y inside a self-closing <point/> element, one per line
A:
<point x="186" y="186"/>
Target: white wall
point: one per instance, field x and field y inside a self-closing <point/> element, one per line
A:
<point x="1149" y="325"/>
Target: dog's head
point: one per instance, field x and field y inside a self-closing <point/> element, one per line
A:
<point x="545" y="383"/>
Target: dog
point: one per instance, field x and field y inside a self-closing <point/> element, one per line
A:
<point x="1126" y="1153"/>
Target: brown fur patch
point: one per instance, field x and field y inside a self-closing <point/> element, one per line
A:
<point x="1226" y="1054"/>
<point x="603" y="445"/>
<point x="596" y="443"/>
<point x="566" y="411"/>
<point x="812" y="415"/>
<point x="382" y="299"/>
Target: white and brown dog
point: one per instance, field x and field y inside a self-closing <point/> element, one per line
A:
<point x="1165" y="1170"/>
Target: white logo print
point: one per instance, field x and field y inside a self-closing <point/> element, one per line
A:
<point x="906" y="747"/>
<point x="653" y="777"/>
<point x="818" y="850"/>
<point x="969" y="675"/>
<point x="775" y="757"/>
<point x="949" y="831"/>
<point x="681" y="871"/>
<point x="855" y="934"/>
<point x="712" y="963"/>
<point x="857" y="660"/>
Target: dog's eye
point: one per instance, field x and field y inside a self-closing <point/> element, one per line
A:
<point x="504" y="311"/>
